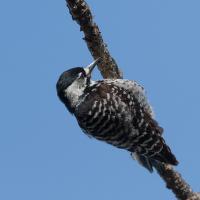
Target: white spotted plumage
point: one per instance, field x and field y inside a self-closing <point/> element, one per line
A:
<point x="117" y="112"/>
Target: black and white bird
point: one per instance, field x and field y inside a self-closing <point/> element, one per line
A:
<point x="115" y="111"/>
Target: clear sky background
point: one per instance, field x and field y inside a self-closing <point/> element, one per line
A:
<point x="43" y="153"/>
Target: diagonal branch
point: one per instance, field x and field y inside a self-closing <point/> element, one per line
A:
<point x="81" y="13"/>
<point x="176" y="183"/>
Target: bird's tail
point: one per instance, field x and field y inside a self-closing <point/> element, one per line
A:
<point x="164" y="156"/>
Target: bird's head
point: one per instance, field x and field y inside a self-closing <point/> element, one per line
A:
<point x="72" y="83"/>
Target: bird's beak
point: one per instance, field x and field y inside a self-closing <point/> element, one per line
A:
<point x="89" y="68"/>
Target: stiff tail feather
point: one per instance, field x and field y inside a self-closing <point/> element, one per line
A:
<point x="164" y="156"/>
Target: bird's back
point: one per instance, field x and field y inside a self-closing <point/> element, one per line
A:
<point x="117" y="112"/>
<point x="102" y="114"/>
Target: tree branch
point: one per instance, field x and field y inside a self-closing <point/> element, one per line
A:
<point x="176" y="183"/>
<point x="81" y="13"/>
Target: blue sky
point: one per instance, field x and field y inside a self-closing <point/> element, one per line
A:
<point x="43" y="153"/>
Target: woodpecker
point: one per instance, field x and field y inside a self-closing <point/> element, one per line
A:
<point x="115" y="111"/>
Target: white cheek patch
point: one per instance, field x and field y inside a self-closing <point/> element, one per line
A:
<point x="75" y="90"/>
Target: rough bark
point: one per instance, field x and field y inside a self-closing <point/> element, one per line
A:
<point x="81" y="13"/>
<point x="176" y="183"/>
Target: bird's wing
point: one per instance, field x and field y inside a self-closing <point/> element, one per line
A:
<point x="136" y="90"/>
<point x="119" y="116"/>
<point x="102" y="112"/>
